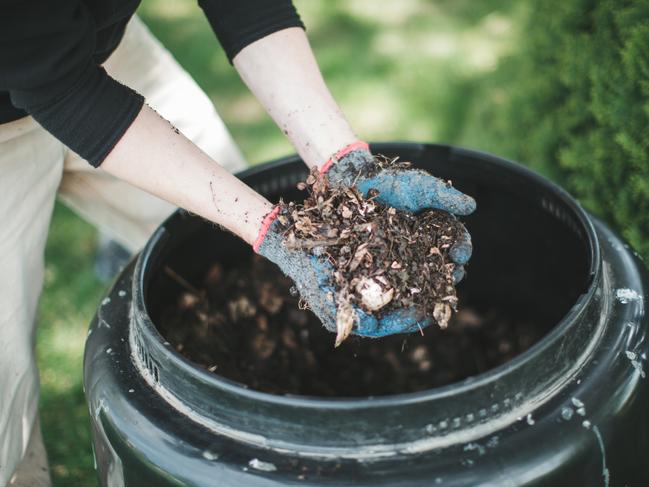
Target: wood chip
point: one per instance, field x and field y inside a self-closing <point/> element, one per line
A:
<point x="442" y="314"/>
<point x="360" y="253"/>
<point x="373" y="296"/>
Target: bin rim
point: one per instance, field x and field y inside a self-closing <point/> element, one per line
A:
<point x="152" y="336"/>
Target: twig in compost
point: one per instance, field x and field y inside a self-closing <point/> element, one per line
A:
<point x="182" y="281"/>
<point x="311" y="244"/>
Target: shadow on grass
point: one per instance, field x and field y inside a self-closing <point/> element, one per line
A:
<point x="66" y="430"/>
<point x="70" y="296"/>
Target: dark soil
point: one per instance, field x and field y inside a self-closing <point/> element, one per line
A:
<point x="383" y="259"/>
<point x="244" y="325"/>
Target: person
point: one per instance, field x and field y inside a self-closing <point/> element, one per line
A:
<point x="84" y="81"/>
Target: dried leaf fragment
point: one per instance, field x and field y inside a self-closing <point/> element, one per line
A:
<point x="345" y="319"/>
<point x="434" y="251"/>
<point x="214" y="274"/>
<point x="442" y="314"/>
<point x="360" y="253"/>
<point x="188" y="300"/>
<point x="241" y="307"/>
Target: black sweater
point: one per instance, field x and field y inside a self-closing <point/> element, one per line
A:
<point x="51" y="53"/>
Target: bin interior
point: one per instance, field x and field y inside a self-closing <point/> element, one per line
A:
<point x="531" y="262"/>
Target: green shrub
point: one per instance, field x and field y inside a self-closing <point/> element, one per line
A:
<point x="573" y="102"/>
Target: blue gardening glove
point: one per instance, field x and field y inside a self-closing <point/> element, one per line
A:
<point x="404" y="189"/>
<point x="313" y="277"/>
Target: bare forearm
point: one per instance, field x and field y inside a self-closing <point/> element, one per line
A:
<point x="155" y="157"/>
<point x="281" y="71"/>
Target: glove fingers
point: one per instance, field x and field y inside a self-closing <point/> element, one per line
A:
<point x="392" y="191"/>
<point x="460" y="254"/>
<point x="415" y="190"/>
<point x="444" y="197"/>
<point x="312" y="277"/>
<point x="458" y="274"/>
<point x="405" y="320"/>
<point x="461" y="251"/>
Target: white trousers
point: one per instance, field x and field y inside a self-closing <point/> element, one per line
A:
<point x="34" y="167"/>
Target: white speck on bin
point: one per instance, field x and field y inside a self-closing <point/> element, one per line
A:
<point x="577" y="403"/>
<point x="626" y="295"/>
<point x="638" y="366"/>
<point x="211" y="456"/>
<point x="475" y="446"/>
<point x="493" y="442"/>
<point x="263" y="466"/>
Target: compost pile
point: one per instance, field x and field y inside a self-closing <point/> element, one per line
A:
<point x="383" y="259"/>
<point x="241" y="322"/>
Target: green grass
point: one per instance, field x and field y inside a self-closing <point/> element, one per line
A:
<point x="70" y="296"/>
<point x="409" y="70"/>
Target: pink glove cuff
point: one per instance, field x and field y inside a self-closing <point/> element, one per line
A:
<point x="265" y="225"/>
<point x="359" y="144"/>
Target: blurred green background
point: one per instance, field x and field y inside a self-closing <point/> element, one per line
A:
<point x="561" y="86"/>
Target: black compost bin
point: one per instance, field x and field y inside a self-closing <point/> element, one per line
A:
<point x="571" y="410"/>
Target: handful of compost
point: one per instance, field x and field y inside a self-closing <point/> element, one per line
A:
<point x="364" y="261"/>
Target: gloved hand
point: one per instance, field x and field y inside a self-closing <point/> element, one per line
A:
<point x="313" y="277"/>
<point x="404" y="189"/>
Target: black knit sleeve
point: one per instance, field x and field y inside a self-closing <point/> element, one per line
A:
<point x="47" y="66"/>
<point x="238" y="23"/>
<point x="90" y="117"/>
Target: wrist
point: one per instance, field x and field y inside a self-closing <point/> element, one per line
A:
<point x="348" y="163"/>
<point x="264" y="228"/>
<point x="341" y="153"/>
